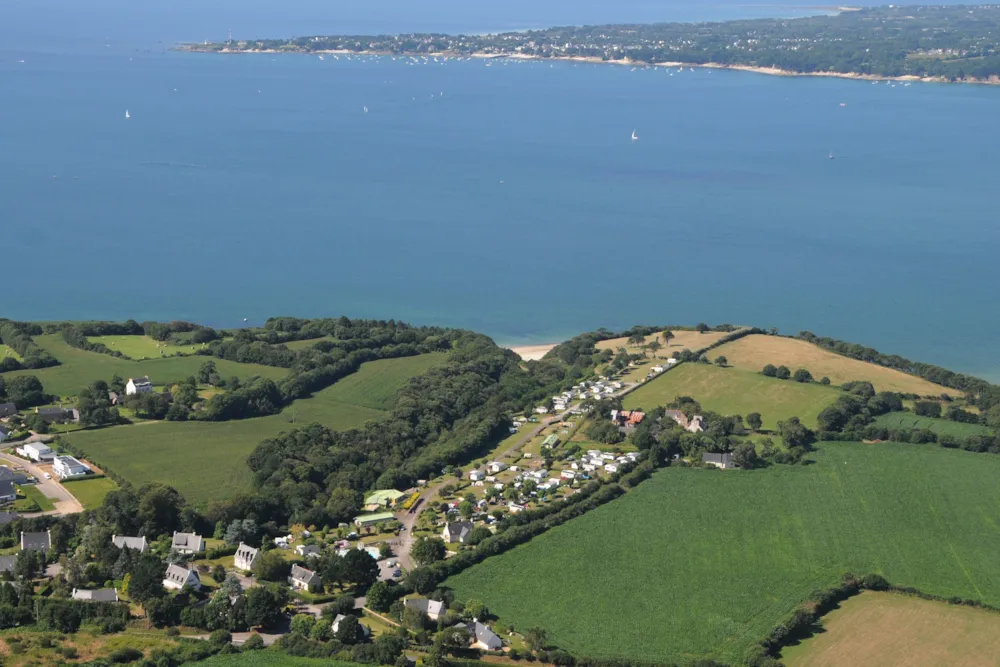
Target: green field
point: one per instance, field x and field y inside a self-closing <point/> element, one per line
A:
<point x="144" y="347"/>
<point x="91" y="492"/>
<point x="205" y="460"/>
<point x="6" y="351"/>
<point x="270" y="658"/>
<point x="304" y="344"/>
<point x="79" y="368"/>
<point x="703" y="563"/>
<point x="731" y="391"/>
<point x="898" y="420"/>
<point x="32" y="496"/>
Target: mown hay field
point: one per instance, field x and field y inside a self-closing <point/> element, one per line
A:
<point x="892" y="629"/>
<point x="79" y="368"/>
<point x="756" y="351"/>
<point x="732" y="391"/>
<point x="898" y="420"/>
<point x="702" y="563"/>
<point x="682" y="340"/>
<point x="206" y="461"/>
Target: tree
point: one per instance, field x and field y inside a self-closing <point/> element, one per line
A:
<point x="360" y="568"/>
<point x="466" y="509"/>
<point x="207" y="374"/>
<point x="476" y="609"/>
<point x="94" y="405"/>
<point x="721" y="361"/>
<point x="477" y="535"/>
<point x="701" y="327"/>
<point x="824" y="380"/>
<point x="117" y="384"/>
<point x="264" y="605"/>
<point x="384" y="550"/>
<point x="272" y="566"/>
<point x="770" y="370"/>
<point x="427" y="550"/>
<point x="667" y="336"/>
<point x="349" y="630"/>
<point x="795" y="434"/>
<point x="25" y="391"/>
<point x="783" y="373"/>
<point x="654" y="346"/>
<point x="535" y="639"/>
<point x="422" y="580"/>
<point x="754" y="421"/>
<point x="242" y="531"/>
<point x="218" y="572"/>
<point x="146" y="581"/>
<point x="388" y="649"/>
<point x="232" y="586"/>
<point x="159" y="509"/>
<point x="927" y="408"/>
<point x="380" y="596"/>
<point x="636" y="339"/>
<point x="745" y="456"/>
<point x="253" y="643"/>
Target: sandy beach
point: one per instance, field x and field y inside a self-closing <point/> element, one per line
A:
<point x="532" y="352"/>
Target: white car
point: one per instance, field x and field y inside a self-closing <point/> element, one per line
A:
<point x="48" y="476"/>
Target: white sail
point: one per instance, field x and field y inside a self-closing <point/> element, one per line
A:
<point x="127" y="116"/>
<point x="635" y="137"/>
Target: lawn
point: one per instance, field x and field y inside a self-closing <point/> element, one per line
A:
<point x="732" y="391"/>
<point x="144" y="347"/>
<point x="79" y="368"/>
<point x="205" y="460"/>
<point x="90" y="492"/>
<point x="704" y="562"/>
<point x="682" y="340"/>
<point x="898" y="420"/>
<point x="756" y="351"/>
<point x="29" y="497"/>
<point x="891" y="629"/>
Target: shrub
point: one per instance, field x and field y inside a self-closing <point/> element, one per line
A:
<point x="219" y="637"/>
<point x="253" y="643"/>
<point x="124" y="655"/>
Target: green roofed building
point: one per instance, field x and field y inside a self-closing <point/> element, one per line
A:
<point x="366" y="520"/>
<point x="550" y="441"/>
<point x="378" y="500"/>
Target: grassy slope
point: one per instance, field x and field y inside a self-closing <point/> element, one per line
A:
<point x="143" y="347"/>
<point x="705" y="562"/>
<point x="91" y="492"/>
<point x="205" y="460"/>
<point x="6" y="351"/>
<point x="733" y="391"/>
<point x="756" y="351"/>
<point x="79" y="368"/>
<point x="682" y="340"/>
<point x="943" y="426"/>
<point x="890" y="629"/>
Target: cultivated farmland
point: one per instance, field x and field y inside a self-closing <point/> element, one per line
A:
<point x="704" y="562"/>
<point x="756" y="351"/>
<point x="897" y="420"/>
<point x="205" y="461"/>
<point x="732" y="391"/>
<point x="79" y="368"/>
<point x="891" y="629"/>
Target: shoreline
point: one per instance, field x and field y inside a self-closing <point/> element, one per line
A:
<point x="531" y="352"/>
<point x="770" y="71"/>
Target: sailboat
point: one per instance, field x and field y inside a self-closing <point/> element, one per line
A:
<point x="635" y="137"/>
<point x="831" y="156"/>
<point x="366" y="109"/>
<point x="127" y="116"/>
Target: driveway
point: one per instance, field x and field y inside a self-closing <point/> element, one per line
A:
<point x="64" y="501"/>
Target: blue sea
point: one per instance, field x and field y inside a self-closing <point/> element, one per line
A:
<point x="506" y="198"/>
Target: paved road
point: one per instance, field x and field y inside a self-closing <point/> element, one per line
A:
<point x="64" y="501"/>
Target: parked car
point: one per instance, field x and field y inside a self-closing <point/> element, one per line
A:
<point x="48" y="476"/>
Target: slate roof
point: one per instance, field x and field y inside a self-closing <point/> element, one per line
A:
<point x="8" y="475"/>
<point x="35" y="541"/>
<point x="459" y="530"/>
<point x="178" y="574"/>
<point x="427" y="606"/>
<point x="7" y="563"/>
<point x="141" y="380"/>
<point x="7" y="517"/>
<point x="7" y="409"/>
<point x="188" y="541"/>
<point x="97" y="595"/>
<point x="482" y="633"/>
<point x="300" y="573"/>
<point x="125" y="542"/>
<point x="6" y="488"/>
<point x="725" y="459"/>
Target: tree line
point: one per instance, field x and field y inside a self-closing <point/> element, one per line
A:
<point x="17" y="336"/>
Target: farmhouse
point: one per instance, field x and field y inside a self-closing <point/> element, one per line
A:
<point x="7" y="409"/>
<point x="457" y="532"/>
<point x="244" y="557"/>
<point x="35" y="541"/>
<point x="303" y="579"/>
<point x="677" y="416"/>
<point x="367" y="520"/>
<point x="433" y="608"/>
<point x="380" y="500"/>
<point x="57" y="414"/>
<point x="481" y="636"/>
<point x="187" y="543"/>
<point x="124" y="542"/>
<point x="96" y="595"/>
<point x="723" y="461"/>
<point x="138" y="386"/>
<point x="178" y="577"/>
<point x="36" y="451"/>
<point x="68" y="466"/>
<point x="7" y="492"/>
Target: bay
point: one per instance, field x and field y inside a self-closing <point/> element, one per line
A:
<point x="249" y="186"/>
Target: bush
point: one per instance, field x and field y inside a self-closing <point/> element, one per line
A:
<point x="173" y="632"/>
<point x="219" y="637"/>
<point x="782" y="373"/>
<point x="253" y="643"/>
<point x="124" y="655"/>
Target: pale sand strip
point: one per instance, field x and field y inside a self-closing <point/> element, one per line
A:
<point x="532" y="352"/>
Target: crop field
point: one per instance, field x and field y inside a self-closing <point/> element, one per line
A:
<point x="704" y="562"/>
<point x="732" y="391"/>
<point x="79" y="368"/>
<point x="6" y="351"/>
<point x="682" y="340"/>
<point x="940" y="426"/>
<point x="756" y="351"/>
<point x="891" y="629"/>
<point x="91" y="492"/>
<point x="144" y="347"/>
<point x="205" y="460"/>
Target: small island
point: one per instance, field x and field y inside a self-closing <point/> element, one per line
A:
<point x="931" y="43"/>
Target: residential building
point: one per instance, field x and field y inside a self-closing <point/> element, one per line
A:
<point x="366" y="520"/>
<point x="96" y="595"/>
<point x="308" y="550"/>
<point x="8" y="475"/>
<point x="125" y="542"/>
<point x="697" y="424"/>
<point x="627" y="418"/>
<point x="723" y="461"/>
<point x="178" y="577"/>
<point x="4" y="433"/>
<point x="8" y="517"/>
<point x="541" y="410"/>
<point x="244" y="557"/>
<point x="36" y="451"/>
<point x="7" y="563"/>
<point x="35" y="541"/>
<point x="677" y="416"/>
<point x="336" y="625"/>
<point x="115" y="398"/>
<point x="433" y="608"/>
<point x="611" y="468"/>
<point x="138" y="386"/>
<point x="303" y="579"/>
<point x="481" y="636"/>
<point x="7" y="492"/>
<point x="7" y="409"/>
<point x="68" y="466"/>
<point x="57" y="414"/>
<point x="380" y="500"/>
<point x="187" y="543"/>
<point x="457" y="531"/>
<point x="497" y="466"/>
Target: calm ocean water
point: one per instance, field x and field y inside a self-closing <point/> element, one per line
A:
<point x="507" y="199"/>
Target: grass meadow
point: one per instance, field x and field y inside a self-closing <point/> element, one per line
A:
<point x="270" y="659"/>
<point x="682" y="340"/>
<point x="756" y="351"/>
<point x="940" y="426"/>
<point x="701" y="563"/>
<point x="891" y="629"/>
<point x="90" y="491"/>
<point x="205" y="461"/>
<point x="144" y="347"/>
<point x="732" y="391"/>
<point x="7" y="351"/>
<point x="79" y="368"/>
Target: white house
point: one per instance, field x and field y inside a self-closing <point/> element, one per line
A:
<point x="307" y="550"/>
<point x="433" y="608"/>
<point x="697" y="424"/>
<point x="178" y="577"/>
<point x="36" y="451"/>
<point x="515" y="508"/>
<point x="302" y="579"/>
<point x="724" y="461"/>
<point x="541" y="410"/>
<point x="187" y="543"/>
<point x="244" y="557"/>
<point x="138" y="386"/>
<point x="457" y="531"/>
<point x="476" y="475"/>
<point x="497" y="466"/>
<point x="482" y="637"/>
<point x="68" y="466"/>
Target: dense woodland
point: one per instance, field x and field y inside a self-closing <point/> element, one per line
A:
<point x="952" y="42"/>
